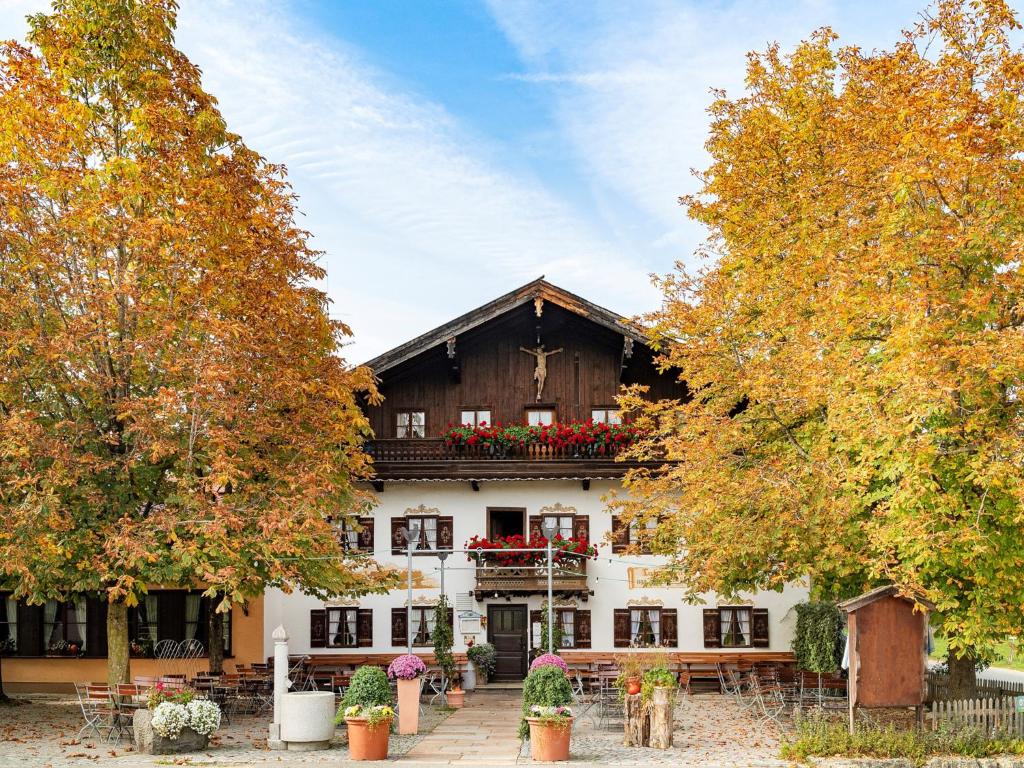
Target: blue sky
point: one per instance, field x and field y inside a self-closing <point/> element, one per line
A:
<point x="445" y="152"/>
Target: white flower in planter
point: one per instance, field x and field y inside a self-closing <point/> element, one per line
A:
<point x="203" y="716"/>
<point x="169" y="718"/>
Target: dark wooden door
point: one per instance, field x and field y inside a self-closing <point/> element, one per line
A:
<point x="507" y="628"/>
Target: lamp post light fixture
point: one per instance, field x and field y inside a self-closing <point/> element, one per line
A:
<point x="548" y="528"/>
<point x="442" y="556"/>
<point x="407" y="535"/>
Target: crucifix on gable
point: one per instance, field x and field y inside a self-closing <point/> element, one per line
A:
<point x="540" y="371"/>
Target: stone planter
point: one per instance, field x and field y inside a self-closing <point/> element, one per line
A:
<point x="409" y="706"/>
<point x="307" y="720"/>
<point x="149" y="742"/>
<point x="457" y="699"/>
<point x="549" y="742"/>
<point x="366" y="742"/>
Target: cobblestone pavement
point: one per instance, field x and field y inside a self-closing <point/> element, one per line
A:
<point x="711" y="730"/>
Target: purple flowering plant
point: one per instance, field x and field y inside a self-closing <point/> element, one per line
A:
<point x="550" y="660"/>
<point x="406" y="667"/>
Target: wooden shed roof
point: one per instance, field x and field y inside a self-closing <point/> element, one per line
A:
<point x="537" y="289"/>
<point x="878" y="593"/>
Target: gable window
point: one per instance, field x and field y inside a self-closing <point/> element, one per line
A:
<point x="427" y="533"/>
<point x="341" y="628"/>
<point x="475" y="417"/>
<point x="735" y="626"/>
<point x="410" y="424"/>
<point x="605" y="416"/>
<point x="540" y="417"/>
<point x="8" y="624"/>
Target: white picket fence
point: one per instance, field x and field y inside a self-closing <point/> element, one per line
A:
<point x="1003" y="715"/>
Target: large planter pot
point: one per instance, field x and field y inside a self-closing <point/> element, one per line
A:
<point x="548" y="742"/>
<point x="149" y="742"/>
<point x="366" y="742"/>
<point x="457" y="699"/>
<point x="408" y="706"/>
<point x="307" y="720"/>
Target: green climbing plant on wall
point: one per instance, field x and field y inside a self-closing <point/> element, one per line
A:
<point x="818" y="643"/>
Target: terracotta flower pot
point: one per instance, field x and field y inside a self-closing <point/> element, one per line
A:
<point x="633" y="686"/>
<point x="549" y="742"/>
<point x="366" y="742"/>
<point x="408" y="706"/>
<point x="457" y="699"/>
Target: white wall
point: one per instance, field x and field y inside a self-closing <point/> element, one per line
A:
<point x="607" y="576"/>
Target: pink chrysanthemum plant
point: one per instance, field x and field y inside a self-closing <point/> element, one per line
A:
<point x="406" y="667"/>
<point x="550" y="660"/>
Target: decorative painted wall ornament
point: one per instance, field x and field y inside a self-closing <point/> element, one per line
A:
<point x="557" y="509"/>
<point x="422" y="509"/>
<point x="342" y="602"/>
<point x="566" y="603"/>
<point x="540" y="372"/>
<point x="421" y="602"/>
<point x="644" y="602"/>
<point x="538" y="305"/>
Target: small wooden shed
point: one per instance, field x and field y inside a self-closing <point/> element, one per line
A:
<point x="887" y="649"/>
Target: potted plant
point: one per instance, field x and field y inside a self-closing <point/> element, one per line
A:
<point x="367" y="713"/>
<point x="407" y="670"/>
<point x="631" y="673"/>
<point x="443" y="641"/>
<point x="456" y="696"/>
<point x="547" y="718"/>
<point x="174" y="721"/>
<point x="485" y="658"/>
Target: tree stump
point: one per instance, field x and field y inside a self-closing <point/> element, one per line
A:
<point x="637" y="723"/>
<point x="661" y="719"/>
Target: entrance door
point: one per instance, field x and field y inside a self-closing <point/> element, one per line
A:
<point x="506" y="629"/>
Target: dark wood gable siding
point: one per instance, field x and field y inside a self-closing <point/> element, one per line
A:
<point x="495" y="374"/>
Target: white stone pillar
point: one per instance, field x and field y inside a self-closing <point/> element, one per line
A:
<point x="280" y="685"/>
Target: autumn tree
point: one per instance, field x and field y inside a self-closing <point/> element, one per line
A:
<point x="173" y="406"/>
<point x="855" y="344"/>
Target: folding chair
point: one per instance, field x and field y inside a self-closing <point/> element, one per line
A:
<point x="98" y="709"/>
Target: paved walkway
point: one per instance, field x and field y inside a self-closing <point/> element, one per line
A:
<point x="481" y="733"/>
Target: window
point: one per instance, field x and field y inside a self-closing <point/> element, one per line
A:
<point x="637" y="535"/>
<point x="642" y="538"/>
<point x="563" y="524"/>
<point x="565" y="618"/>
<point x="144" y="624"/>
<point x="342" y="629"/>
<point x="475" y="417"/>
<point x="175" y="615"/>
<point x="539" y="417"/>
<point x="735" y="626"/>
<point x="427" y="532"/>
<point x="64" y="627"/>
<point x="409" y="424"/>
<point x="645" y="626"/>
<point x="8" y="625"/>
<point x="605" y="416"/>
<point x="422" y="625"/>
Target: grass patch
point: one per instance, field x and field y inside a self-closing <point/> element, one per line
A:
<point x="818" y="737"/>
<point x="1005" y="657"/>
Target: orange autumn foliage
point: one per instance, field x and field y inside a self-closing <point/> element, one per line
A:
<point x="855" y="348"/>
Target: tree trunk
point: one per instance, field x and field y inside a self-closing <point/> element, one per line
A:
<point x="118" y="658"/>
<point x="963" y="681"/>
<point x="637" y="725"/>
<point x="216" y="635"/>
<point x="3" y="696"/>
<point x="661" y="719"/>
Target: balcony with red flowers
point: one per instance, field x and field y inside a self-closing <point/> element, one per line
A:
<point x="502" y="571"/>
<point x="573" y="450"/>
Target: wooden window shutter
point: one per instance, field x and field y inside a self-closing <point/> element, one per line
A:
<point x="759" y="628"/>
<point x="445" y="533"/>
<point x="30" y="629"/>
<point x="582" y="628"/>
<point x="581" y="527"/>
<point x="534" y="528"/>
<point x="366" y="540"/>
<point x="712" y="628"/>
<point x="397" y="540"/>
<point x="398" y="624"/>
<point x="364" y="627"/>
<point x="95" y="626"/>
<point x="670" y="628"/>
<point x="620" y="624"/>
<point x="620" y="535"/>
<point x="318" y="628"/>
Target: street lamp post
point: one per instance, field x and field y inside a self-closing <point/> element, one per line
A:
<point x="408" y="603"/>
<point x="549" y="527"/>
<point x="442" y="556"/>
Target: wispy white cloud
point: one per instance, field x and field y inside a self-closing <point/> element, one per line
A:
<point x="631" y="83"/>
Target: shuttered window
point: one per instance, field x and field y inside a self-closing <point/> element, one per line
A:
<point x="736" y="626"/>
<point x="574" y="623"/>
<point x="643" y="627"/>
<point x="428" y="532"/>
<point x="635" y="535"/>
<point x="422" y="619"/>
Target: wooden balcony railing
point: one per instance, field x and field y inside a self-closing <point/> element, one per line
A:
<point x="435" y="449"/>
<point x="569" y="576"/>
